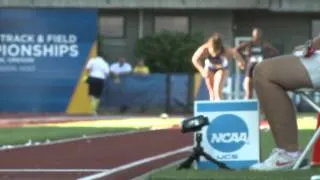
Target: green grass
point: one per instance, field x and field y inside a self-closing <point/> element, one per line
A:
<point x="267" y="145"/>
<point x="13" y="136"/>
<point x="172" y="174"/>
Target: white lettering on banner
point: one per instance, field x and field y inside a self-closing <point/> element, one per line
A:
<point x="37" y="50"/>
<point x="19" y="52"/>
<point x="20" y="60"/>
<point x="70" y="39"/>
<point x="230" y="137"/>
<point x="26" y="45"/>
<point x="8" y="68"/>
<point x="227" y="156"/>
<point x="17" y="38"/>
<point x="30" y="68"/>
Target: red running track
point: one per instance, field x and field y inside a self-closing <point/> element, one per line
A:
<point x="99" y="153"/>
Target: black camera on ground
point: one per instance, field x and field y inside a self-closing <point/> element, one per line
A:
<point x="194" y="124"/>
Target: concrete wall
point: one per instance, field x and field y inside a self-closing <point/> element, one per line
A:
<point x="295" y="6"/>
<point x="283" y="30"/>
<point x="282" y="27"/>
<point x="111" y="48"/>
<point x="116" y="4"/>
<point x="208" y="22"/>
<point x="205" y="22"/>
<point x="273" y="5"/>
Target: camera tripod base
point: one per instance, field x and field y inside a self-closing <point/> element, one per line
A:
<point x="197" y="153"/>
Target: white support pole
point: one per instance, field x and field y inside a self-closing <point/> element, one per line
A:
<point x="141" y="24"/>
<point x="237" y="82"/>
<point x="314" y="137"/>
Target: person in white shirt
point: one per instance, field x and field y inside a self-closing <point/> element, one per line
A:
<point x="120" y="68"/>
<point x="98" y="70"/>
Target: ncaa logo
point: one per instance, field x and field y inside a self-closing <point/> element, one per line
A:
<point x="227" y="133"/>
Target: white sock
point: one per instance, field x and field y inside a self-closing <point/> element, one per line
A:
<point x="294" y="154"/>
<point x="279" y="149"/>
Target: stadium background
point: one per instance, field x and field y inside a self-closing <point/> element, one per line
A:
<point x="117" y="26"/>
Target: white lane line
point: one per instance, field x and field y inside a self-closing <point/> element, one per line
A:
<point x="53" y="170"/>
<point x="135" y="163"/>
<point x="75" y="139"/>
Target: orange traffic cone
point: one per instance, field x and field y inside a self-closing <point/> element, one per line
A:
<point x="316" y="147"/>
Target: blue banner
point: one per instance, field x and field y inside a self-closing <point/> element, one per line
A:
<point x="137" y="90"/>
<point x="42" y="55"/>
<point x="179" y="90"/>
<point x="150" y="91"/>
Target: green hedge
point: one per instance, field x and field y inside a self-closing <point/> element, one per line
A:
<point x="169" y="51"/>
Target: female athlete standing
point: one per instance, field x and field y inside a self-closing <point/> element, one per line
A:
<point x="256" y="53"/>
<point x="215" y="68"/>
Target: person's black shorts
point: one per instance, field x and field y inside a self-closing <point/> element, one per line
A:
<point x="95" y="86"/>
<point x="214" y="70"/>
<point x="250" y="69"/>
